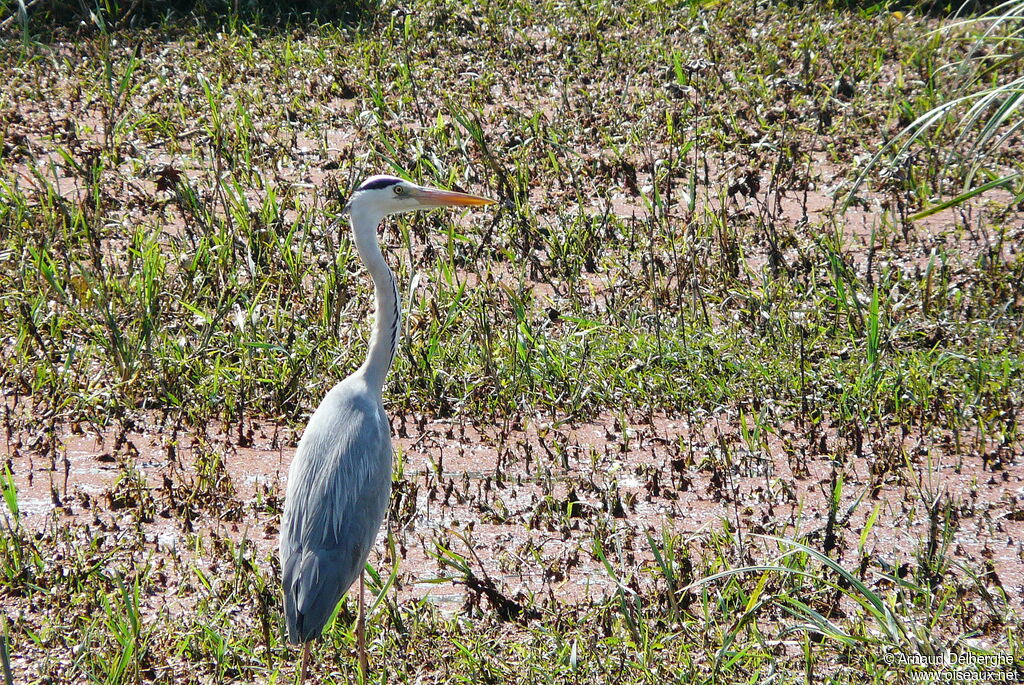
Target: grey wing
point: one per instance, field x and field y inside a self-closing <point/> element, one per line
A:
<point x="338" y="489"/>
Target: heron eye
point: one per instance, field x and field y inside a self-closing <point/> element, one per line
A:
<point x="399" y="190"/>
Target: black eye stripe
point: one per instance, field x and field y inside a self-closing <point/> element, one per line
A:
<point x="379" y="183"/>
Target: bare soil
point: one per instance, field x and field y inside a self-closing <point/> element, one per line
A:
<point x="525" y="504"/>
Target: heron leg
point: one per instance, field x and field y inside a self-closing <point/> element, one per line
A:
<point x="361" y="633"/>
<point x="305" y="664"/>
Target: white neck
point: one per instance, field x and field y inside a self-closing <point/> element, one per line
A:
<point x="384" y="341"/>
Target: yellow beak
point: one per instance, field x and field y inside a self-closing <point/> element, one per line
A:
<point x="433" y="197"/>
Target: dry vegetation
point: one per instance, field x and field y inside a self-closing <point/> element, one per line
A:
<point x="664" y="416"/>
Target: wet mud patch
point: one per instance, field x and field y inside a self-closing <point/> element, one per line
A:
<point x="540" y="515"/>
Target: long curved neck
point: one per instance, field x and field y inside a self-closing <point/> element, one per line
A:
<point x="384" y="341"/>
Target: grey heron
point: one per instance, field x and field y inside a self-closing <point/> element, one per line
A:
<point x="339" y="481"/>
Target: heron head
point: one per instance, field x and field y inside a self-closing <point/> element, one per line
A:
<point x="384" y="195"/>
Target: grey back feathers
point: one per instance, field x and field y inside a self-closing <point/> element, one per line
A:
<point x="338" y="490"/>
